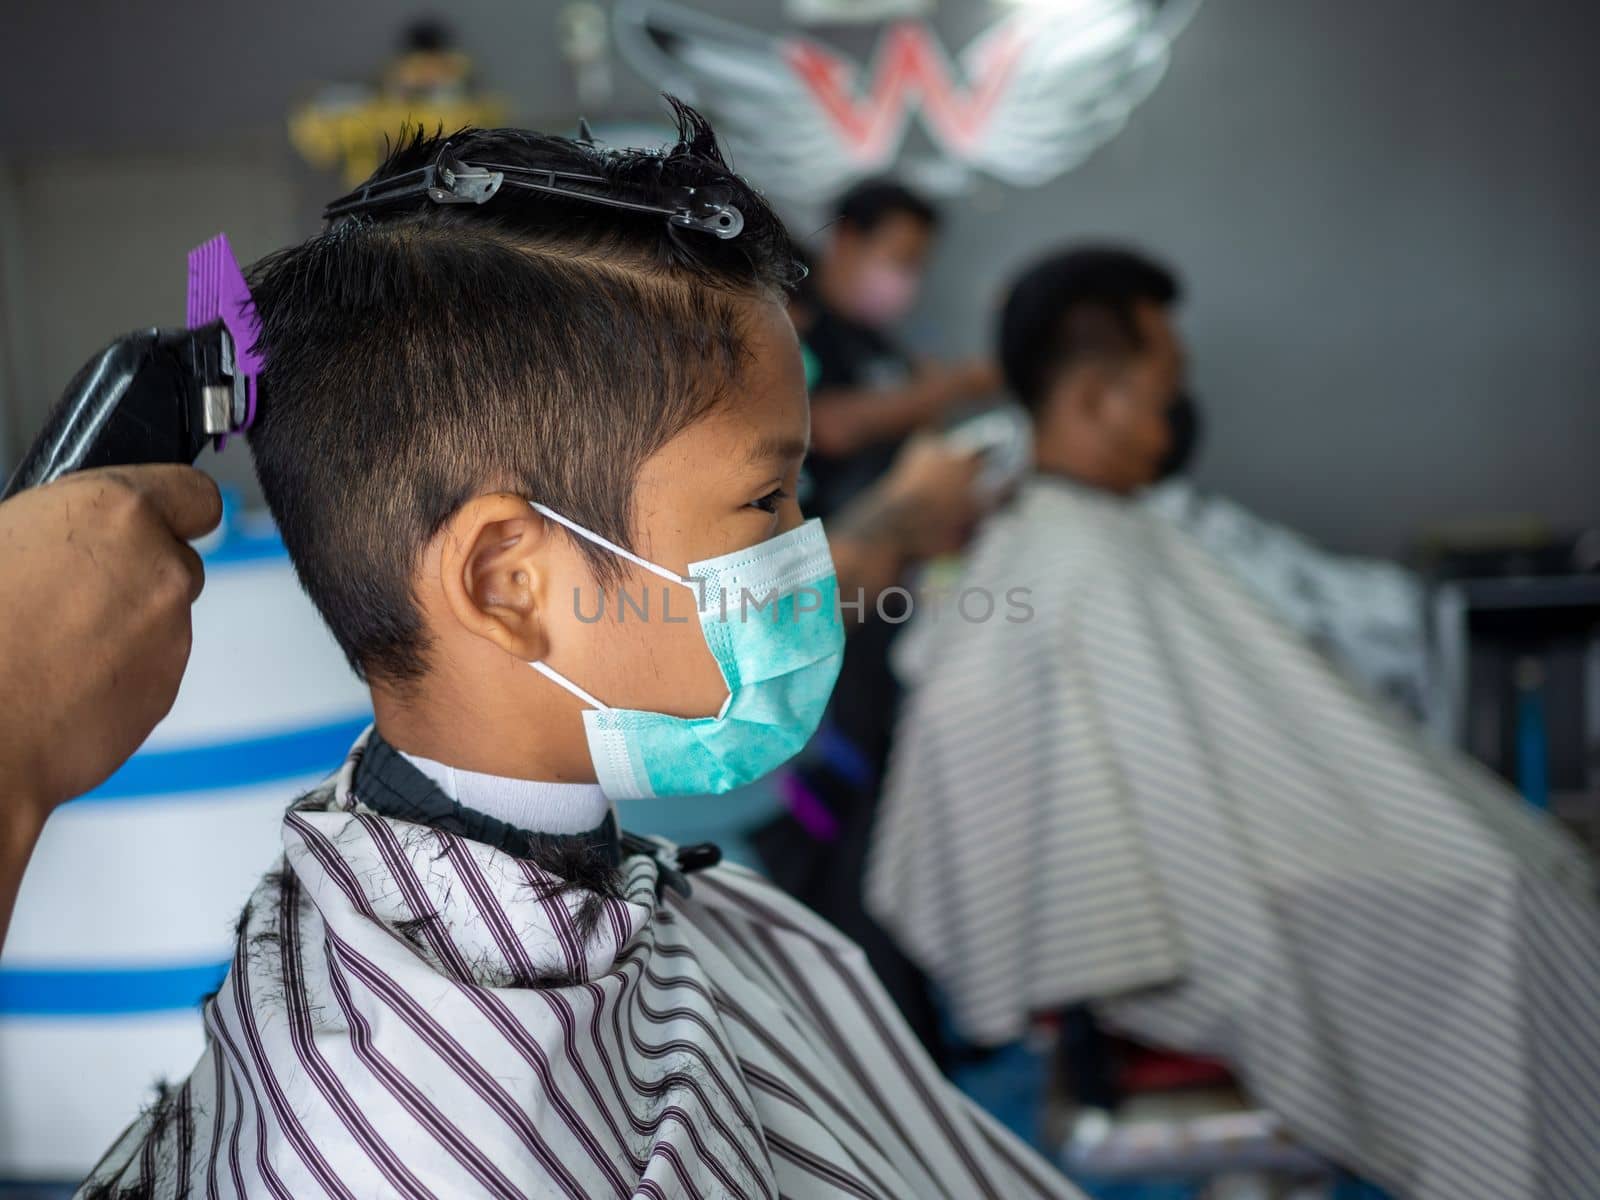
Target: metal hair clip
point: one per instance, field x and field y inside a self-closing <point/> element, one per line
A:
<point x="449" y="180"/>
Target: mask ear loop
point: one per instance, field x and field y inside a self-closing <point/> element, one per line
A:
<point x="671" y="576"/>
<point x="550" y="672"/>
<point x="556" y="677"/>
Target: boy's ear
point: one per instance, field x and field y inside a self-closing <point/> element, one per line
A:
<point x="494" y="570"/>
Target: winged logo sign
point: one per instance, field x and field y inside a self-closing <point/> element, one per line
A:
<point x="1027" y="99"/>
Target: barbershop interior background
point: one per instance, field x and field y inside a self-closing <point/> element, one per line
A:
<point x="1383" y="215"/>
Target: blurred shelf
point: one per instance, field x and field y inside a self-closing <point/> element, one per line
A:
<point x="1528" y="592"/>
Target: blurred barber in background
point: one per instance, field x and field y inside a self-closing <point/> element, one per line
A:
<point x="869" y="393"/>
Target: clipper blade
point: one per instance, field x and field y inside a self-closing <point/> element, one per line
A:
<point x="217" y="291"/>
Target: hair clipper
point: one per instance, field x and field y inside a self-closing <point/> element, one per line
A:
<point x="1003" y="437"/>
<point x="159" y="395"/>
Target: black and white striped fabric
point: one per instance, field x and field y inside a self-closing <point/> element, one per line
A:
<point x="1153" y="796"/>
<point x="1366" y="614"/>
<point x="413" y="1013"/>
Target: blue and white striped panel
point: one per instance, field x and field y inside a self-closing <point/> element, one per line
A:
<point x="126" y="914"/>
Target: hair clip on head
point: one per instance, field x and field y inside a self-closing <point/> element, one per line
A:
<point x="451" y="180"/>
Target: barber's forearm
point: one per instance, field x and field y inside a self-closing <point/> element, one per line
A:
<point x="864" y="570"/>
<point x="21" y="822"/>
<point x="871" y="539"/>
<point x="843" y="422"/>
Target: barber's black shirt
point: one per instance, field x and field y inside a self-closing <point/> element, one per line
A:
<point x="850" y="356"/>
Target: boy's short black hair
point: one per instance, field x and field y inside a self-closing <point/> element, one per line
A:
<point x="871" y="202"/>
<point x="534" y="344"/>
<point x="1074" y="305"/>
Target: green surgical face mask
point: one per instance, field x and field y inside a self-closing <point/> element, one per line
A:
<point x="771" y="617"/>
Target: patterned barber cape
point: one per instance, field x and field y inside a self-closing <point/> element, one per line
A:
<point x="1153" y="796"/>
<point x="1366" y="614"/>
<point x="412" y="1011"/>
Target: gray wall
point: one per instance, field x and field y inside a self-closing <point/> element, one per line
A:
<point x="1384" y="211"/>
<point x="1386" y="216"/>
<point x="86" y="277"/>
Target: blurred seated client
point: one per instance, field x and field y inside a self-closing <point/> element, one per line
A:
<point x="1151" y="795"/>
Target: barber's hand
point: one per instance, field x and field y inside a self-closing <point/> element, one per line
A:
<point x="925" y="504"/>
<point x="935" y="486"/>
<point x="95" y="593"/>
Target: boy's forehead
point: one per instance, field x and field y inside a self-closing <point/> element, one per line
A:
<point x="758" y="424"/>
<point x="761" y="424"/>
<point x="771" y="395"/>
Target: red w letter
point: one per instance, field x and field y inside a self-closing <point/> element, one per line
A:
<point x="909" y="66"/>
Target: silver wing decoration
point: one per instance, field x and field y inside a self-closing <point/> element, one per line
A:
<point x="1080" y="68"/>
<point x="1060" y="77"/>
<point x="778" y="137"/>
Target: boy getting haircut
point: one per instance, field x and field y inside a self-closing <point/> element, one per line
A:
<point x="548" y="346"/>
<point x="462" y="980"/>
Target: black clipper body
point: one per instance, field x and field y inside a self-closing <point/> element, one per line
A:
<point x="159" y="395"/>
<point x="151" y="396"/>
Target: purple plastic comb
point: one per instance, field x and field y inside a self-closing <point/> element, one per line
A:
<point x="217" y="290"/>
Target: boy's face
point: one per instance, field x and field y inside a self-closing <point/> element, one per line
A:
<point x="502" y="586"/>
<point x="725" y="483"/>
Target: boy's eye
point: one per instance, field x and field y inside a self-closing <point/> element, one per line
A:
<point x="769" y="503"/>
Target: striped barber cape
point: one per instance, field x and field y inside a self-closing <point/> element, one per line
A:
<point x="413" y="1012"/>
<point x="1152" y="796"/>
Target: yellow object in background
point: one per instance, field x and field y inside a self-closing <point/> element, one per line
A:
<point x="352" y="137"/>
<point x="428" y="83"/>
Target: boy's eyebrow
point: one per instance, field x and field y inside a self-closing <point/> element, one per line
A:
<point x="778" y="447"/>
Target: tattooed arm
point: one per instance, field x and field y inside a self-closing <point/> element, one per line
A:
<point x="924" y="506"/>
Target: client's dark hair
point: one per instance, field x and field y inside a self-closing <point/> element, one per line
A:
<point x="873" y="201"/>
<point x="426" y="353"/>
<point x="1075" y="305"/>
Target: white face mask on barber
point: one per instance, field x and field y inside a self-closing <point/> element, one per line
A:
<point x="884" y="293"/>
<point x="770" y="615"/>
